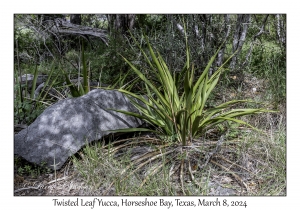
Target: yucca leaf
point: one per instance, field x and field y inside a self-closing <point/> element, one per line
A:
<point x="163" y="116"/>
<point x="179" y="76"/>
<point x="189" y="101"/>
<point x="217" y="73"/>
<point x="165" y="69"/>
<point x="138" y="97"/>
<point x="229" y="103"/>
<point x="203" y="118"/>
<point x="151" y="110"/>
<point x="237" y="121"/>
<point x="144" y="54"/>
<point x="47" y="82"/>
<point x="154" y="58"/>
<point x="210" y="88"/>
<point x="167" y="81"/>
<point x="186" y="83"/>
<point x="242" y="112"/>
<point x="195" y="124"/>
<point x="150" y="103"/>
<point x="231" y="115"/>
<point x="84" y="72"/>
<point x="140" y="116"/>
<point x="178" y="115"/>
<point x="197" y="101"/>
<point x="74" y="91"/>
<point x="152" y="87"/>
<point x="81" y="90"/>
<point x="35" y="76"/>
<point x="203" y="94"/>
<point x="146" y="106"/>
<point x="128" y="130"/>
<point x="205" y="72"/>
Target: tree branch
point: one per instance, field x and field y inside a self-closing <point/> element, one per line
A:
<point x="262" y="28"/>
<point x="65" y="27"/>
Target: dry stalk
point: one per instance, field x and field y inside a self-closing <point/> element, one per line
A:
<point x="181" y="176"/>
<point x="232" y="163"/>
<point x="192" y="176"/>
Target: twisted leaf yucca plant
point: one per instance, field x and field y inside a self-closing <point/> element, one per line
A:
<point x="182" y="116"/>
<point x="179" y="114"/>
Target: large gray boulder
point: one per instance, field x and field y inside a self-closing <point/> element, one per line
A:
<point x="63" y="128"/>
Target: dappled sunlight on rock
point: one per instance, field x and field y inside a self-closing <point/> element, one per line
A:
<point x="63" y="128"/>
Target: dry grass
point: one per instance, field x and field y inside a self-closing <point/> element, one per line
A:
<point x="251" y="164"/>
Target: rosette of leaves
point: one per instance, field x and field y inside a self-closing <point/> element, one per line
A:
<point x="181" y="117"/>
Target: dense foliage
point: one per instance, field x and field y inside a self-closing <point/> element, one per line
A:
<point x="260" y="46"/>
<point x="197" y="71"/>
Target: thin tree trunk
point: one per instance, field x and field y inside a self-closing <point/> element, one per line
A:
<point x="239" y="37"/>
<point x="203" y="29"/>
<point x="227" y="28"/>
<point x="121" y="23"/>
<point x="280" y="28"/>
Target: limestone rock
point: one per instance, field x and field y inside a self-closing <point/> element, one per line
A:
<point x="63" y="128"/>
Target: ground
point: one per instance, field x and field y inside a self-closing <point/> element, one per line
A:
<point x="249" y="163"/>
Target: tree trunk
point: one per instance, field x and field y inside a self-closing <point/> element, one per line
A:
<point x="240" y="33"/>
<point x="227" y="28"/>
<point x="203" y="38"/>
<point x="121" y="23"/>
<point x="75" y="19"/>
<point x="281" y="29"/>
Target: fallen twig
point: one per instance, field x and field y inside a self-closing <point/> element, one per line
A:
<point x="27" y="188"/>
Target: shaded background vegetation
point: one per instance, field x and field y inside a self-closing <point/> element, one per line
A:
<point x="51" y="48"/>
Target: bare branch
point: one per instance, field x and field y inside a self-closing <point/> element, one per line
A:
<point x="262" y="28"/>
<point x="180" y="28"/>
<point x="65" y="27"/>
